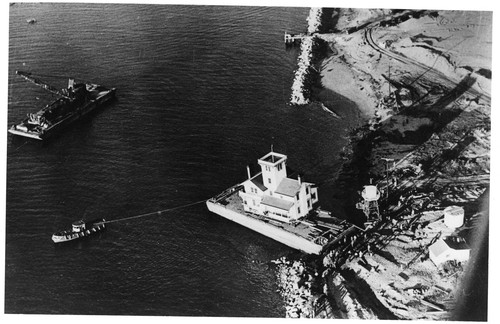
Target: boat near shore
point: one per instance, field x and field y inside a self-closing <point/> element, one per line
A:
<point x="281" y="208"/>
<point x="78" y="100"/>
<point x="80" y="229"/>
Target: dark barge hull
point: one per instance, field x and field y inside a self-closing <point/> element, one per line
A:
<point x="21" y="129"/>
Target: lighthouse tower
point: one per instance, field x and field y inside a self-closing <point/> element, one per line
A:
<point x="273" y="167"/>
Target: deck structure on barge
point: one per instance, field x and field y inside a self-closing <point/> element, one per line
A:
<point x="72" y="104"/>
<point x="281" y="209"/>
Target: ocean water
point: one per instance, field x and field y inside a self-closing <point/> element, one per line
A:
<point x="202" y="92"/>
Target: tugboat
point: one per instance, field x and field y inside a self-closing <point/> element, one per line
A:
<point x="79" y="229"/>
<point x="76" y="101"/>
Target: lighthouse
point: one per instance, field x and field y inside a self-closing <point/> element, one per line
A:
<point x="273" y="166"/>
<point x="271" y="194"/>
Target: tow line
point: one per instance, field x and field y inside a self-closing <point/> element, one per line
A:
<point x="153" y="213"/>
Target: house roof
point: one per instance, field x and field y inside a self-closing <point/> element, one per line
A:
<point x="259" y="182"/>
<point x="277" y="203"/>
<point x="447" y="243"/>
<point x="456" y="243"/>
<point x="288" y="187"/>
<point x="438" y="248"/>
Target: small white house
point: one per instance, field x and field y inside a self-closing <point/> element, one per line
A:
<point x="449" y="248"/>
<point x="272" y="194"/>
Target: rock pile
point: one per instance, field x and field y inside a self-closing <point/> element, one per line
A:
<point x="350" y="307"/>
<point x="295" y="281"/>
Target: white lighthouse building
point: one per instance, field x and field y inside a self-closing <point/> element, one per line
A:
<point x="272" y="194"/>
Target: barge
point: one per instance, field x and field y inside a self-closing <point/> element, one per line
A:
<point x="78" y="100"/>
<point x="80" y="229"/>
<point x="281" y="208"/>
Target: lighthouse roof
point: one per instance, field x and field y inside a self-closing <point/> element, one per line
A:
<point x="277" y="203"/>
<point x="272" y="158"/>
<point x="288" y="187"/>
<point x="259" y="182"/>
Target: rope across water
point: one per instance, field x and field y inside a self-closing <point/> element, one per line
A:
<point x="154" y="213"/>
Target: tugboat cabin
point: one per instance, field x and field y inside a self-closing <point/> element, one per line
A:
<point x="78" y="226"/>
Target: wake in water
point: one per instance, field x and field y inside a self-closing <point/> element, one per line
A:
<point x="304" y="61"/>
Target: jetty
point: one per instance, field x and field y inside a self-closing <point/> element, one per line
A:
<point x="281" y="208"/>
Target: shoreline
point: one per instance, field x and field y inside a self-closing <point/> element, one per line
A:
<point x="424" y="86"/>
<point x="334" y="78"/>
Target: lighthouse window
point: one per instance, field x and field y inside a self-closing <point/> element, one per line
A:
<point x="308" y="203"/>
<point x="298" y="210"/>
<point x="279" y="166"/>
<point x="269" y="180"/>
<point x="307" y="190"/>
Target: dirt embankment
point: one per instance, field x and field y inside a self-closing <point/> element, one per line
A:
<point x="423" y="80"/>
<point x="409" y="50"/>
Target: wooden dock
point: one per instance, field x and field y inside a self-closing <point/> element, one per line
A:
<point x="291" y="39"/>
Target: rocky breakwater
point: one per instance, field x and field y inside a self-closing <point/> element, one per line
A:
<point x="296" y="281"/>
<point x="300" y="95"/>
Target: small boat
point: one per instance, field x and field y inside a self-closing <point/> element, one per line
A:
<point x="79" y="229"/>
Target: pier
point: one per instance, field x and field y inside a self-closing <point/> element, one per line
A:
<point x="291" y="39"/>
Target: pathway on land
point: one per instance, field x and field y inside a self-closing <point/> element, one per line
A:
<point x="427" y="70"/>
